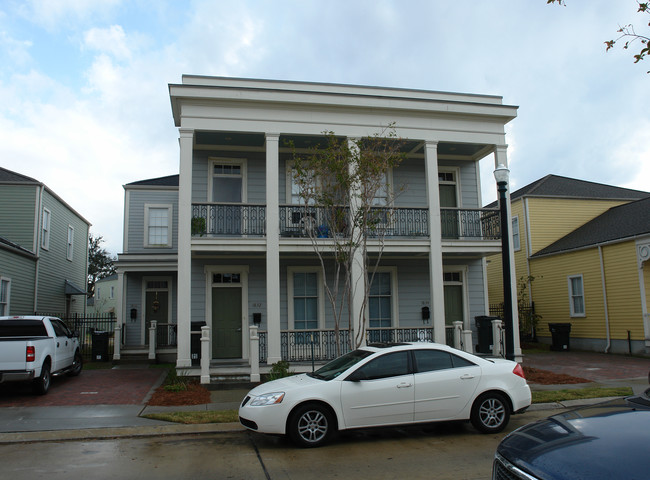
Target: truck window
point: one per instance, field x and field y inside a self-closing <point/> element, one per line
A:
<point x="22" y="328"/>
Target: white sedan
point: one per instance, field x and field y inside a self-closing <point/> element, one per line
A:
<point x="391" y="384"/>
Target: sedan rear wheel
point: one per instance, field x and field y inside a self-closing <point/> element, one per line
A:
<point x="490" y="413"/>
<point x="311" y="425"/>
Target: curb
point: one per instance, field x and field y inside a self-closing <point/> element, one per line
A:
<point x="118" y="432"/>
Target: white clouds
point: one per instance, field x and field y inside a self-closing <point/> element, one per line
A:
<point x="111" y="40"/>
<point x="86" y="106"/>
<point x="56" y="14"/>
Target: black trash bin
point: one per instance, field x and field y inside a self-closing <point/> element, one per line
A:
<point x="484" y="330"/>
<point x="560" y="334"/>
<point x="195" y="342"/>
<point x="100" y="346"/>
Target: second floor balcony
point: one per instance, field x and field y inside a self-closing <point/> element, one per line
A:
<point x="218" y="220"/>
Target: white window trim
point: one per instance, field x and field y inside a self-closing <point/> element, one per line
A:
<point x="394" y="302"/>
<point x="571" y="295"/>
<point x="70" y="243"/>
<point x="170" y="212"/>
<point x="8" y="299"/>
<point x="320" y="293"/>
<point x="242" y="162"/>
<point x="516" y="248"/>
<point x="456" y="182"/>
<point x="46" y="228"/>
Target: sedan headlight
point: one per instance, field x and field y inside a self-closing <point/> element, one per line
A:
<point x="268" y="399"/>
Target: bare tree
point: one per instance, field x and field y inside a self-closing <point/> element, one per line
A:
<point x="348" y="203"/>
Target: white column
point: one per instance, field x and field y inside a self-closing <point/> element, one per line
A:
<point x="358" y="272"/>
<point x="273" y="248"/>
<point x="120" y="308"/>
<point x="254" y="357"/>
<point x="498" y="345"/>
<point x="184" y="248"/>
<point x="467" y="341"/>
<point x="458" y="331"/>
<point x="435" y="240"/>
<point x="152" y="340"/>
<point x="500" y="157"/>
<point x="205" y="355"/>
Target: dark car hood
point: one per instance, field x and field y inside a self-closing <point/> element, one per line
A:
<point x="608" y="440"/>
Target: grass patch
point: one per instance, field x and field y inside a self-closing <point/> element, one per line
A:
<point x="549" y="396"/>
<point x="97" y="365"/>
<point x="211" y="416"/>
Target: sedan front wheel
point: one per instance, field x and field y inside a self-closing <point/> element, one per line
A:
<point x="311" y="425"/>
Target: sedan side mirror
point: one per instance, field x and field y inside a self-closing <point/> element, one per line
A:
<point x="356" y="376"/>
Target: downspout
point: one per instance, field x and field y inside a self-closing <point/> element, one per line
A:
<point x="37" y="249"/>
<point x="602" y="276"/>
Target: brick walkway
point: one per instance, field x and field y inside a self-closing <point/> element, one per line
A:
<point x="92" y="387"/>
<point x="596" y="367"/>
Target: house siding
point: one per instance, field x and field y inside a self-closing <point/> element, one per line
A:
<point x="20" y="270"/>
<point x="555" y="217"/>
<point x="53" y="266"/>
<point x="136" y="214"/>
<point x="552" y="293"/>
<point x="17" y="210"/>
<point x="623" y="299"/>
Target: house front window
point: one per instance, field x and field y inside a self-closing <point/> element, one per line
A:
<point x="227" y="181"/>
<point x="5" y="285"/>
<point x="382" y="304"/>
<point x="576" y="296"/>
<point x="305" y="301"/>
<point x="516" y="243"/>
<point x="157" y="221"/>
<point x="70" y="244"/>
<point x="45" y="229"/>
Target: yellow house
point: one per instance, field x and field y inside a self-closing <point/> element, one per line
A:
<point x="587" y="247"/>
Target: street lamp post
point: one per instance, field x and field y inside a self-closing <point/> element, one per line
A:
<point x="501" y="174"/>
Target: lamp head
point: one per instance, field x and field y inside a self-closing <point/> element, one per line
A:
<point x="501" y="173"/>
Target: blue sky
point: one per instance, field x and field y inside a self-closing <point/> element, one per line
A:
<point x="84" y="83"/>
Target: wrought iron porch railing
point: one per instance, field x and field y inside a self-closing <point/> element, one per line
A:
<point x="220" y="219"/>
<point x="480" y="223"/>
<point x="321" y="345"/>
<point x="166" y="335"/>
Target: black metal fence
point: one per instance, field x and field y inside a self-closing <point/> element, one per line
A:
<point x="88" y="326"/>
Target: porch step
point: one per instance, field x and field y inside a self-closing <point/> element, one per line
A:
<point x="134" y="359"/>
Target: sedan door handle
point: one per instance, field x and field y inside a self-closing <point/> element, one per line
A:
<point x="404" y="385"/>
<point x="467" y="377"/>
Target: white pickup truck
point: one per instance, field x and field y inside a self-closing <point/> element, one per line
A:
<point x="33" y="348"/>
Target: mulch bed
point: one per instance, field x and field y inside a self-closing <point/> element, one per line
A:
<point x="196" y="394"/>
<point x="544" y="377"/>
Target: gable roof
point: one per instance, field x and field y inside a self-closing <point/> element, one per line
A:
<point x="617" y="223"/>
<point x="168" y="181"/>
<point x="8" y="176"/>
<point x="564" y="187"/>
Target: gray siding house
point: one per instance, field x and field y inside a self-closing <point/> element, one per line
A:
<point x="221" y="244"/>
<point x="43" y="249"/>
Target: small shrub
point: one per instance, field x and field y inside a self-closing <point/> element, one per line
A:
<point x="280" y="370"/>
<point x="176" y="387"/>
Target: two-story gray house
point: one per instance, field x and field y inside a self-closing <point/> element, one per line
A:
<point x="43" y="249"/>
<point x="220" y="244"/>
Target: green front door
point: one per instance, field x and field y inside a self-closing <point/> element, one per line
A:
<point x="155" y="309"/>
<point x="226" y="322"/>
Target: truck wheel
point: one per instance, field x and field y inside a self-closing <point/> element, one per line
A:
<point x="42" y="383"/>
<point x="77" y="365"/>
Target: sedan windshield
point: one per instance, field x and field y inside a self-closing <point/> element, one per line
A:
<point x="337" y="366"/>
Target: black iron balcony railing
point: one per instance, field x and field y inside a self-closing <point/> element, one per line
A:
<point x="478" y="223"/>
<point x="219" y="219"/>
